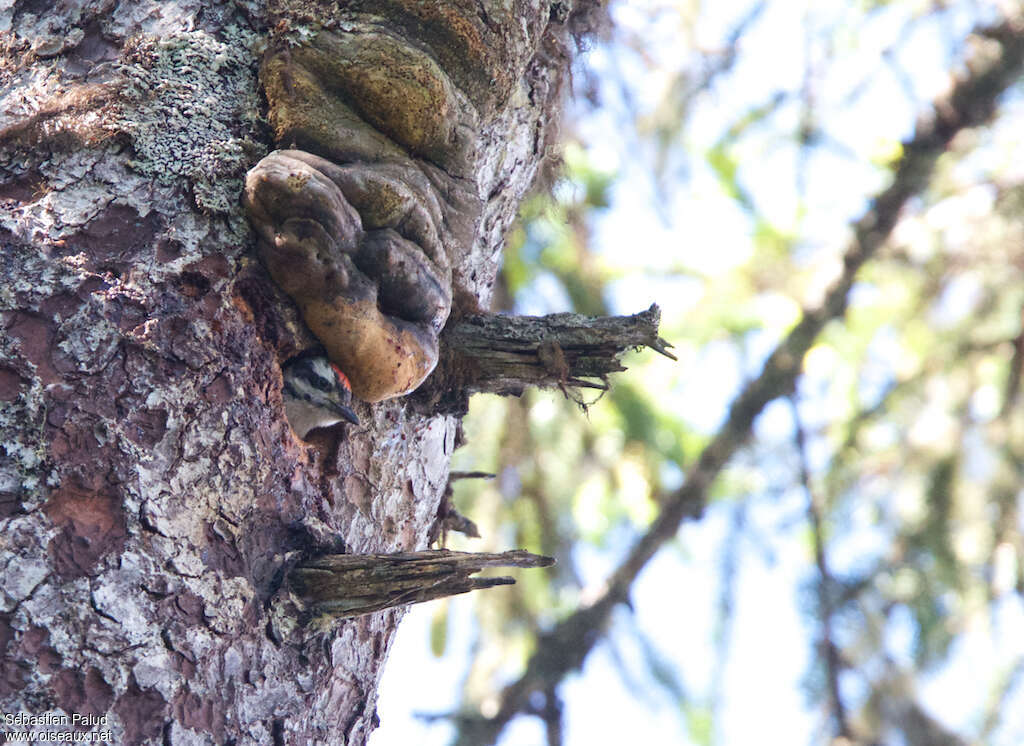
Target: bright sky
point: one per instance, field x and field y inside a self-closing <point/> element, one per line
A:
<point x="675" y="601"/>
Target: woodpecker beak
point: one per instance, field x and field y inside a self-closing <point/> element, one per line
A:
<point x="342" y="409"/>
<point x="345" y="412"/>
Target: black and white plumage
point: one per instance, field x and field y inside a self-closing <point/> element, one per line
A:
<point x="316" y="394"/>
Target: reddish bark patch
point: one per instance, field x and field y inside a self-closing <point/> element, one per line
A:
<point x="62" y="304"/>
<point x="35" y="336"/>
<point x="212" y="267"/>
<point x="168" y="250"/>
<point x="92" y="524"/>
<point x="74" y="443"/>
<point x="192" y="284"/>
<point x="58" y="407"/>
<point x="219" y="391"/>
<point x="142" y="712"/>
<point x="241" y="305"/>
<point x="146" y="426"/>
<point x="49" y="660"/>
<point x="87" y="694"/>
<point x="222" y="555"/>
<point x="183" y="664"/>
<point x="6" y="632"/>
<point x="181" y="340"/>
<point x="12" y="676"/>
<point x="118" y="231"/>
<point x="10" y="384"/>
<point x="10" y="505"/>
<point x="34" y="648"/>
<point x="13" y="667"/>
<point x="65" y="304"/>
<point x="32" y="641"/>
<point x="199" y="714"/>
<point x="188" y="607"/>
<point x="26" y="188"/>
<point x="252" y="613"/>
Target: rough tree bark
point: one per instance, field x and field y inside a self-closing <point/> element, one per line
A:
<point x="150" y="488"/>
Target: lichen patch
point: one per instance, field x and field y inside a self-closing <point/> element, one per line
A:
<point x="192" y="111"/>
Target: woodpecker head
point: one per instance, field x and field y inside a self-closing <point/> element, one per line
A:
<point x="316" y="394"/>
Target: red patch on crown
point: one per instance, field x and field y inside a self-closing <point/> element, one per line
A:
<point x="342" y="377"/>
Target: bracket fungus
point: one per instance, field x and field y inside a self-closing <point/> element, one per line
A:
<point x="360" y="223"/>
<point x="363" y="281"/>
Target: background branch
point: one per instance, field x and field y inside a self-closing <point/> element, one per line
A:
<point x="971" y="102"/>
<point x="825" y="585"/>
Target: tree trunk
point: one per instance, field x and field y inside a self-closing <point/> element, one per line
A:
<point x="151" y="491"/>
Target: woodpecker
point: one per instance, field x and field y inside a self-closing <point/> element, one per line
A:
<point x="316" y="394"/>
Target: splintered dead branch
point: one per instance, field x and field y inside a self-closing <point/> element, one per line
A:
<point x="501" y="354"/>
<point x="337" y="586"/>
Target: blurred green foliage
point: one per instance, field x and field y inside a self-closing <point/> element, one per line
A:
<point x="910" y="403"/>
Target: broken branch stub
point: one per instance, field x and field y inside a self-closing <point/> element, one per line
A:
<point x="500" y="354"/>
<point x="338" y="586"/>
